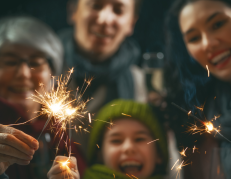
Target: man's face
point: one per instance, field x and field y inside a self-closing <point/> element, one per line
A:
<point x="125" y="149"/>
<point x="101" y="25"/>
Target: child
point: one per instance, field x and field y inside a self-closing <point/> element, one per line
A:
<point x="120" y="144"/>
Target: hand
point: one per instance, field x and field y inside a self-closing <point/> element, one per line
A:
<point x="61" y="171"/>
<point x="15" y="147"/>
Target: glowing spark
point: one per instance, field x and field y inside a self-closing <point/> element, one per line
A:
<point x="129" y="176"/>
<point x="64" y="165"/>
<point x="189" y="112"/>
<point x="126" y="115"/>
<point x="175" y="164"/>
<point x="209" y="127"/>
<point x="89" y="115"/>
<point x="205" y="152"/>
<point x="97" y="145"/>
<point x="183" y="152"/>
<point x="134" y="176"/>
<point x="200" y="108"/>
<point x="114" y="175"/>
<point x="194" y="148"/>
<point x="77" y="143"/>
<point x="152" y="141"/>
<point x="207" y="70"/>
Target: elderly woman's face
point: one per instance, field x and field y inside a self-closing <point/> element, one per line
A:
<point x="206" y="28"/>
<point x="22" y="70"/>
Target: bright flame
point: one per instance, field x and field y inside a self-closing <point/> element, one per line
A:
<point x="209" y="127"/>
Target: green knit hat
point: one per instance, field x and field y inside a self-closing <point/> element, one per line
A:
<point x="119" y="109"/>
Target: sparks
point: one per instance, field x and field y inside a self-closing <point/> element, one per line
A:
<point x="60" y="107"/>
<point x="64" y="165"/>
<point x="126" y="115"/>
<point x="208" y="70"/>
<point x="97" y="145"/>
<point x="152" y="141"/>
<point x="183" y="152"/>
<point x="189" y="112"/>
<point x="89" y="115"/>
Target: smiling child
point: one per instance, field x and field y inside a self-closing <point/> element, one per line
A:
<point x="126" y="147"/>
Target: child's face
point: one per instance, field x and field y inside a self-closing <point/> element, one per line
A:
<point x="125" y="149"/>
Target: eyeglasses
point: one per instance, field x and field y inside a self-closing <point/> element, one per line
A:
<point x="11" y="62"/>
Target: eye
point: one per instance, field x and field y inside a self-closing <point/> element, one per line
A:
<point x="37" y="61"/>
<point x="218" y="24"/>
<point x="10" y="61"/>
<point x="118" y="10"/>
<point x="97" y="6"/>
<point x="194" y="39"/>
<point x="116" y="141"/>
<point x="140" y="139"/>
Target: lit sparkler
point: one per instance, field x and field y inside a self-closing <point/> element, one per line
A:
<point x="60" y="108"/>
<point x="205" y="127"/>
<point x="64" y="165"/>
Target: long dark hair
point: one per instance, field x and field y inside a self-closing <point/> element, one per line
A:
<point x="189" y="73"/>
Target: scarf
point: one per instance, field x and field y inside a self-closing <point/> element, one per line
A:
<point x="113" y="72"/>
<point x="102" y="172"/>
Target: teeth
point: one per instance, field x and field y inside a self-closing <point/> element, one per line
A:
<point x="220" y="57"/>
<point x="130" y="163"/>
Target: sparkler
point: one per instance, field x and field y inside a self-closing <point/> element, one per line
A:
<point x="64" y="165"/>
<point x="59" y="106"/>
<point x="209" y="128"/>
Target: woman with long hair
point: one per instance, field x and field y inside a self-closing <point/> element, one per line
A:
<point x="199" y="46"/>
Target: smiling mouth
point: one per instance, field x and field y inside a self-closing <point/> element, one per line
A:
<point x="101" y="35"/>
<point x="131" y="167"/>
<point x="221" y="58"/>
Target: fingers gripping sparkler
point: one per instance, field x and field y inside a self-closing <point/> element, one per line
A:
<point x="209" y="128"/>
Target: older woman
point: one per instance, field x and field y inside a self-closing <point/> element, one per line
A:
<point x="199" y="43"/>
<point x="30" y="53"/>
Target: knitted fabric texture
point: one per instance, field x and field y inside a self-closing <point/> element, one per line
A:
<point x="102" y="172"/>
<point x="123" y="109"/>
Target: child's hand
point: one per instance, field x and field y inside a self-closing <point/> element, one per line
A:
<point x="64" y="167"/>
<point x="15" y="147"/>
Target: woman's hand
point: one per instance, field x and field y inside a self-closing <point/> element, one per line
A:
<point x="15" y="147"/>
<point x="63" y="168"/>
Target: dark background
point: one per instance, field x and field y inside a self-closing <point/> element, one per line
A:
<point x="148" y="31"/>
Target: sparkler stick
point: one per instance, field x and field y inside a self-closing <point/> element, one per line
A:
<point x="47" y="122"/>
<point x="190" y="114"/>
<point x="208" y="125"/>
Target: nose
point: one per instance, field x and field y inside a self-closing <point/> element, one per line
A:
<point x="23" y="71"/>
<point x="209" y="42"/>
<point x="128" y="147"/>
<point x="106" y="15"/>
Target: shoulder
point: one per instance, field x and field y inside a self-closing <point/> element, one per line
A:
<point x="4" y="176"/>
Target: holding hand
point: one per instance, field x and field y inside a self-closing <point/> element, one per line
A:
<point x="64" y="167"/>
<point x="15" y="147"/>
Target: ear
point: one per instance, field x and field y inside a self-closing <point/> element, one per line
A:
<point x="131" y="28"/>
<point x="71" y="10"/>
